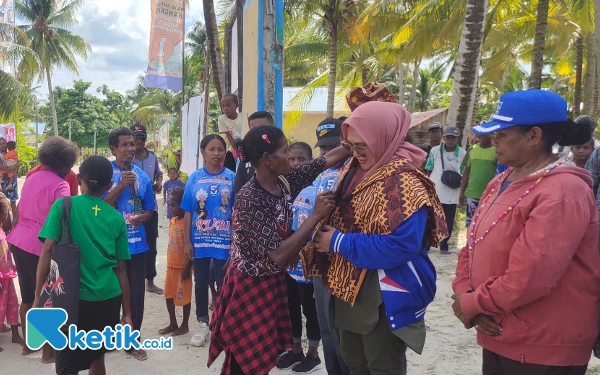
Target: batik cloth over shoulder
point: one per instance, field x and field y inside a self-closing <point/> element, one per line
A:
<point x="378" y="205"/>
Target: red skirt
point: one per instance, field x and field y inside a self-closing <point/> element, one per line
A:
<point x="250" y="322"/>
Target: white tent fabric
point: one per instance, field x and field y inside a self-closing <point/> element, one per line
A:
<point x="192" y="118"/>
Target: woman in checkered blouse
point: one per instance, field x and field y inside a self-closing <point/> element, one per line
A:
<point x="251" y="322"/>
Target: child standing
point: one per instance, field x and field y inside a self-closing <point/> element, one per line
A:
<point x="102" y="236"/>
<point x="9" y="303"/>
<point x="11" y="158"/>
<point x="173" y="183"/>
<point x="178" y="283"/>
<point x="208" y="202"/>
<point x="230" y="127"/>
<point x="300" y="290"/>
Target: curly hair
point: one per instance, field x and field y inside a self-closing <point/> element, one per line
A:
<point x="261" y="140"/>
<point x="177" y="194"/>
<point x="4" y="208"/>
<point x="58" y="154"/>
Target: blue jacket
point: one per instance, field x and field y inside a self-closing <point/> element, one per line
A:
<point x="406" y="275"/>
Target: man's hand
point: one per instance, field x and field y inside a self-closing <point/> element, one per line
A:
<point x="126" y="321"/>
<point x="128" y="178"/>
<point x="186" y="273"/>
<point x="189" y="250"/>
<point x="461" y="198"/>
<point x="459" y="313"/>
<point x="322" y="239"/>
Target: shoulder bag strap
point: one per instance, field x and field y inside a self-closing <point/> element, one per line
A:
<point x="442" y="156"/>
<point x="66" y="221"/>
<point x="286" y="184"/>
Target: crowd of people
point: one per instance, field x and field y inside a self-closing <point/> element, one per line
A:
<point x="343" y="239"/>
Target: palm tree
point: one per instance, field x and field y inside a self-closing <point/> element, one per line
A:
<point x="466" y="70"/>
<point x="539" y="43"/>
<point x="54" y="45"/>
<point x="196" y="40"/>
<point x="216" y="57"/>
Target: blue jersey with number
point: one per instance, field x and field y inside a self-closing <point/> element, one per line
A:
<point x="209" y="198"/>
<point x="126" y="203"/>
<point x="329" y="179"/>
<point x="303" y="206"/>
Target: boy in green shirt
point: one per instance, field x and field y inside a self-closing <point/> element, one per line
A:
<point x="101" y="233"/>
<point x="480" y="168"/>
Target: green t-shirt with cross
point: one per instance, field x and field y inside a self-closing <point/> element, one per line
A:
<point x="101" y="233"/>
<point x="482" y="162"/>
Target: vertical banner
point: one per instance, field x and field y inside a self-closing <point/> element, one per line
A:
<point x="163" y="135"/>
<point x="7" y="131"/>
<point x="192" y="125"/>
<point x="165" y="57"/>
<point x="7" y="15"/>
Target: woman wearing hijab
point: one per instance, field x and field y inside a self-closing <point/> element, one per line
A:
<point x="529" y="278"/>
<point x="371" y="252"/>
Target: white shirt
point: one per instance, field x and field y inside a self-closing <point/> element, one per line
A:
<point x="452" y="162"/>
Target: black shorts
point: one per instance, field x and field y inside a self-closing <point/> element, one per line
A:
<point x="93" y="315"/>
<point x="26" y="270"/>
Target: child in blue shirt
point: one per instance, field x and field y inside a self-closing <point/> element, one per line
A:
<point x="208" y="202"/>
<point x="173" y="183"/>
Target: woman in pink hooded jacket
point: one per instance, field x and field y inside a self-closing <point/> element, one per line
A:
<point x="529" y="278"/>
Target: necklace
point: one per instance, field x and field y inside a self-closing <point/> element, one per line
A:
<point x="472" y="240"/>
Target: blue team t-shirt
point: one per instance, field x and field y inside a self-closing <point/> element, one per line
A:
<point x="329" y="179"/>
<point x="168" y="187"/>
<point x="125" y="205"/>
<point x="303" y="206"/>
<point x="209" y="198"/>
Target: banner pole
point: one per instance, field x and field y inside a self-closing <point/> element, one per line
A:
<point x="183" y="53"/>
<point x="202" y="126"/>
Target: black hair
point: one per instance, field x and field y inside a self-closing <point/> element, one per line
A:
<point x="232" y="96"/>
<point x="262" y="114"/>
<point x="261" y="140"/>
<point x="304" y="147"/>
<point x="206" y="140"/>
<point x="57" y="153"/>
<point x="113" y="137"/>
<point x="4" y="207"/>
<point x="565" y="133"/>
<point x="96" y="172"/>
<point x="343" y="118"/>
<point x="173" y="169"/>
<point x="11" y="145"/>
<point x="177" y="194"/>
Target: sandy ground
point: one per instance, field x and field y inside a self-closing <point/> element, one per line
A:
<point x="450" y="349"/>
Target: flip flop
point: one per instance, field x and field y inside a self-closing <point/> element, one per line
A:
<point x="140" y="355"/>
<point x="157" y="291"/>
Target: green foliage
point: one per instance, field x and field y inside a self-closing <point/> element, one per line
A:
<point x="27" y="155"/>
<point x="84" y="113"/>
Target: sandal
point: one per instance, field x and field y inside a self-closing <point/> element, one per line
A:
<point x="157" y="291"/>
<point x="140" y="355"/>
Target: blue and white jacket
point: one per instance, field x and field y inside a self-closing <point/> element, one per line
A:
<point x="407" y="278"/>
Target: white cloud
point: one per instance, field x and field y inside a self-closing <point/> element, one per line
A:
<point x="118" y="31"/>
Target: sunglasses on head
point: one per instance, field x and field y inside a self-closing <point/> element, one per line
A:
<point x="350" y="148"/>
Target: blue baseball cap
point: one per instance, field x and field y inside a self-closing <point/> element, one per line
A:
<point x="529" y="107"/>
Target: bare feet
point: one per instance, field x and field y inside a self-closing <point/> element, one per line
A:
<point x="5" y="329"/>
<point x="181" y="330"/>
<point x="168" y="329"/>
<point x="26" y="351"/>
<point x="1" y="350"/>
<point x="152" y="288"/>
<point x="48" y="355"/>
<point x="140" y="355"/>
<point x="18" y="340"/>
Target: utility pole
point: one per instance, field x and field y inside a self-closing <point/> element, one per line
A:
<point x="37" y="142"/>
<point x="70" y="130"/>
<point x="95" y="134"/>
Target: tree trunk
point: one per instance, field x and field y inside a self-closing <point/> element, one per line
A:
<point x="412" y="101"/>
<point x="401" y="84"/>
<point x="364" y="77"/>
<point x="589" y="79"/>
<point x="52" y="103"/>
<point x="578" y="73"/>
<point x="471" y="115"/>
<point x="216" y="57"/>
<point x="539" y="43"/>
<point x="467" y="64"/>
<point x="595" y="98"/>
<point x="333" y="52"/>
<point x="597" y="45"/>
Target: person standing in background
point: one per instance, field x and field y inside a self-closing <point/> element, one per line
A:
<point x="245" y="171"/>
<point x="230" y="128"/>
<point x="10" y="188"/>
<point x="132" y="189"/>
<point x="453" y="156"/>
<point x="148" y="162"/>
<point x="435" y="137"/>
<point x="480" y="168"/>
<point x="173" y="183"/>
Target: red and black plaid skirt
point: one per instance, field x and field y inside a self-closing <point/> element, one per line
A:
<point x="251" y="322"/>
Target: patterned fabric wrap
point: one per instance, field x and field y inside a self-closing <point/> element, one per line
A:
<point x="368" y="93"/>
<point x="250" y="322"/>
<point x="378" y="205"/>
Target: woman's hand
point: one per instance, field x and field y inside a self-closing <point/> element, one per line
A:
<point x="126" y="321"/>
<point x="322" y="239"/>
<point x="325" y="203"/>
<point x="486" y="325"/>
<point x="188" y="249"/>
<point x="459" y="313"/>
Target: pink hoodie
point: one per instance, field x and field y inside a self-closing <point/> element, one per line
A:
<point x="537" y="272"/>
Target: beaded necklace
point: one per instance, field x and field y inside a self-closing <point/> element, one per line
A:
<point x="472" y="240"/>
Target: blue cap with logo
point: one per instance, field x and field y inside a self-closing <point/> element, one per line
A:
<point x="528" y="108"/>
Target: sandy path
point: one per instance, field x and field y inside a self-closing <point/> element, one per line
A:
<point x="450" y="349"/>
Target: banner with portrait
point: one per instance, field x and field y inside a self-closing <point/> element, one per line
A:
<point x="165" y="57"/>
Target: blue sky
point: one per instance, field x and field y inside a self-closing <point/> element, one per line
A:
<point x="118" y="31"/>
